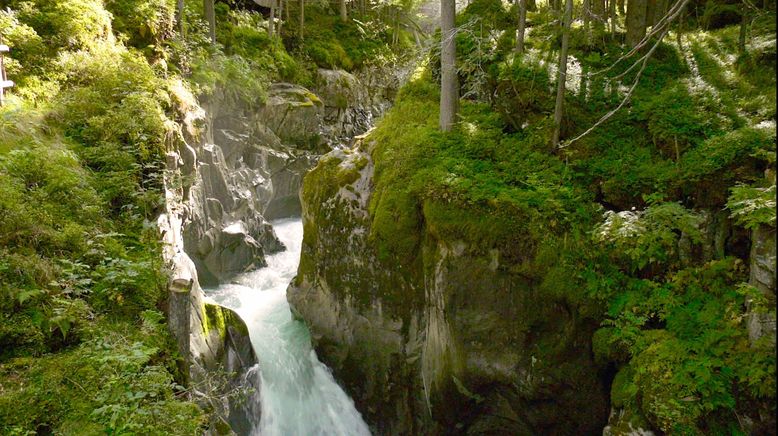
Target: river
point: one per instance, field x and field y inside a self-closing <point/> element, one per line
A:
<point x="298" y="395"/>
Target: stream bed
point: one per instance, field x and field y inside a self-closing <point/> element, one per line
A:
<point x="298" y="395"/>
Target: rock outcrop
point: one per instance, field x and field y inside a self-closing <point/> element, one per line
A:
<point x="229" y="171"/>
<point x="213" y="341"/>
<point x="454" y="342"/>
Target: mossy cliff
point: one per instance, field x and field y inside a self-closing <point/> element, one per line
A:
<point x="475" y="281"/>
<point x="448" y="336"/>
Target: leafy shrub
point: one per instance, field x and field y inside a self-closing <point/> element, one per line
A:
<point x="752" y="206"/>
<point x="67" y="24"/>
<point x="144" y="22"/>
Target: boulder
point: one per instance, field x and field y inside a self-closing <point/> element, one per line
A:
<point x="294" y="114"/>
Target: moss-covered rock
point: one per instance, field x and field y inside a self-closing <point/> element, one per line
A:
<point x="435" y="333"/>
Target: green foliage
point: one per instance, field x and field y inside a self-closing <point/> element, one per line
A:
<point x="118" y="381"/>
<point x="143" y="22"/>
<point x="650" y="236"/>
<point x="752" y="206"/>
<point x="691" y="356"/>
<point x="82" y="140"/>
<point x="66" y="24"/>
<point x="330" y="43"/>
<point x="674" y="323"/>
<point x="678" y="119"/>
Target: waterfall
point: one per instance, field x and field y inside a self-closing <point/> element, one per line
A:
<point x="298" y="395"/>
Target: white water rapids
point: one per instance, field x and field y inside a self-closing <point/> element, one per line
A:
<point x="298" y="395"/>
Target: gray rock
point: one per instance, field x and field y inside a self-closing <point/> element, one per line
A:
<point x="762" y="277"/>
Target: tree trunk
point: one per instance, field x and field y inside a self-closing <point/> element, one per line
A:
<point x="271" y="25"/>
<point x="660" y="9"/>
<point x="741" y="41"/>
<point x="210" y="16"/>
<point x="612" y="8"/>
<point x="636" y="21"/>
<point x="281" y="16"/>
<point x="180" y="18"/>
<point x="532" y="6"/>
<point x="520" y="27"/>
<point x="302" y="19"/>
<point x="599" y="18"/>
<point x="587" y="21"/>
<point x="343" y="11"/>
<point x="620" y="4"/>
<point x="562" y="73"/>
<point x="650" y="12"/>
<point x="449" y="89"/>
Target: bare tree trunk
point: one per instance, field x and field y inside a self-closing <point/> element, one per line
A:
<point x="660" y="10"/>
<point x="532" y="5"/>
<point x="612" y="8"/>
<point x="343" y="11"/>
<point x="620" y="4"/>
<point x="650" y="12"/>
<point x="562" y="73"/>
<point x="586" y="21"/>
<point x="741" y="41"/>
<point x="449" y="89"/>
<point x="210" y="16"/>
<point x="600" y="17"/>
<point x="520" y="27"/>
<point x="180" y="18"/>
<point x="636" y="21"/>
<point x="302" y="19"/>
<point x="271" y="25"/>
<point x="281" y="16"/>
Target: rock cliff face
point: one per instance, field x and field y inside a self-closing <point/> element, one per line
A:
<point x="217" y="353"/>
<point x="454" y="343"/>
<point x="249" y="165"/>
<point x="229" y="171"/>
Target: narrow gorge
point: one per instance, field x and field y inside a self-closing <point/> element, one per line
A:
<point x="369" y="217"/>
<point x="233" y="173"/>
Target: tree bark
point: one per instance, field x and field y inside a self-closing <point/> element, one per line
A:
<point x="210" y="16"/>
<point x="660" y="9"/>
<point x="343" y="11"/>
<point x="302" y="19"/>
<point x="599" y="18"/>
<point x="650" y="12"/>
<point x="562" y="73"/>
<point x="587" y="21"/>
<point x="180" y="18"/>
<point x="520" y="28"/>
<point x="271" y="25"/>
<point x="612" y="8"/>
<point x="741" y="41"/>
<point x="449" y="89"/>
<point x="281" y="16"/>
<point x="532" y="6"/>
<point x="636" y="22"/>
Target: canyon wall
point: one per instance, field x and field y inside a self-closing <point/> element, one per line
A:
<point x="230" y="170"/>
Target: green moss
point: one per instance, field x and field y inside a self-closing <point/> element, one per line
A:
<point x="213" y="319"/>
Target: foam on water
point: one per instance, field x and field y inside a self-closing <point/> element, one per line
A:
<point x="298" y="394"/>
